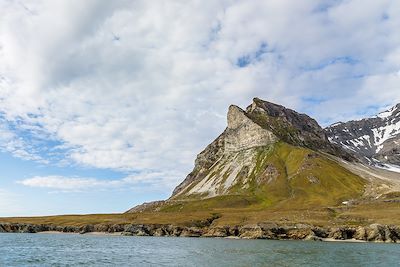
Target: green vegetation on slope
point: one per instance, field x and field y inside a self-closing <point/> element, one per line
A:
<point x="284" y="177"/>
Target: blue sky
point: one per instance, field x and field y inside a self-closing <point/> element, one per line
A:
<point x="105" y="104"/>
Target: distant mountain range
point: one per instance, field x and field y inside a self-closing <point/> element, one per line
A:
<point x="375" y="140"/>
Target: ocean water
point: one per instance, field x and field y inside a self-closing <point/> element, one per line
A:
<point x="89" y="250"/>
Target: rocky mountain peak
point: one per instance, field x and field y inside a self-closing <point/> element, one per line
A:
<point x="300" y="121"/>
<point x="270" y="108"/>
<point x="390" y="113"/>
<point x="292" y="127"/>
<point x="264" y="122"/>
<point x="242" y="133"/>
<point x="236" y="116"/>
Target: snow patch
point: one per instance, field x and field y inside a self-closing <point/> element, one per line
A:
<point x="382" y="134"/>
<point x="387" y="113"/>
<point x="389" y="167"/>
<point x="348" y="147"/>
<point x="335" y="124"/>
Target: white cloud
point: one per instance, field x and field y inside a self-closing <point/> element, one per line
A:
<point x="67" y="183"/>
<point x="77" y="184"/>
<point x="144" y="85"/>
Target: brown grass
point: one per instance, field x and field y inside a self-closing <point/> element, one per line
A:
<point x="362" y="214"/>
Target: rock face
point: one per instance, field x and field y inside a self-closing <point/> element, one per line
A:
<point x="373" y="233"/>
<point x="241" y="153"/>
<point x="292" y="127"/>
<point x="242" y="133"/>
<point x="375" y="140"/>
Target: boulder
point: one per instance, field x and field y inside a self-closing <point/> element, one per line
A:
<point x="87" y="229"/>
<point x="312" y="237"/>
<point x="251" y="232"/>
<point x="361" y="233"/>
<point x="217" y="232"/>
<point x="191" y="232"/>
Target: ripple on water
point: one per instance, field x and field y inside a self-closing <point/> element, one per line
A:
<point x="87" y="250"/>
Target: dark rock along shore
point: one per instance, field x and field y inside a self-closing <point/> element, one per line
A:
<point x="373" y="232"/>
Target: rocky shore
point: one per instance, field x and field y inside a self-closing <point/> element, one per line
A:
<point x="372" y="233"/>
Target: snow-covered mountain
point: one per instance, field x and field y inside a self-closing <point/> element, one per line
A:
<point x="374" y="140"/>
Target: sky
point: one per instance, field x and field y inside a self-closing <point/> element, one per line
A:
<point x="105" y="104"/>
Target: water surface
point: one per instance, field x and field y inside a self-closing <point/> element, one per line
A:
<point x="87" y="250"/>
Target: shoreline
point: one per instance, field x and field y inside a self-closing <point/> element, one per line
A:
<point x="227" y="237"/>
<point x="89" y="233"/>
<point x="347" y="240"/>
<point x="355" y="234"/>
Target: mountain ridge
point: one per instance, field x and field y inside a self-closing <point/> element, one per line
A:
<point x="374" y="140"/>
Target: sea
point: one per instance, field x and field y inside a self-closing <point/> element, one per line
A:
<point x="104" y="250"/>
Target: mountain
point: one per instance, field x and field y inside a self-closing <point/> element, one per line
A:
<point x="375" y="140"/>
<point x="270" y="154"/>
<point x="275" y="166"/>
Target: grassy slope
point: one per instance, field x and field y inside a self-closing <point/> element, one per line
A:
<point x="304" y="179"/>
<point x="363" y="214"/>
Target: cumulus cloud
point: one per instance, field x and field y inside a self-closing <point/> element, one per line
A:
<point x="142" y="86"/>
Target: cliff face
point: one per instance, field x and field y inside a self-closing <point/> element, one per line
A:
<point x="242" y="133"/>
<point x="237" y="143"/>
<point x="373" y="232"/>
